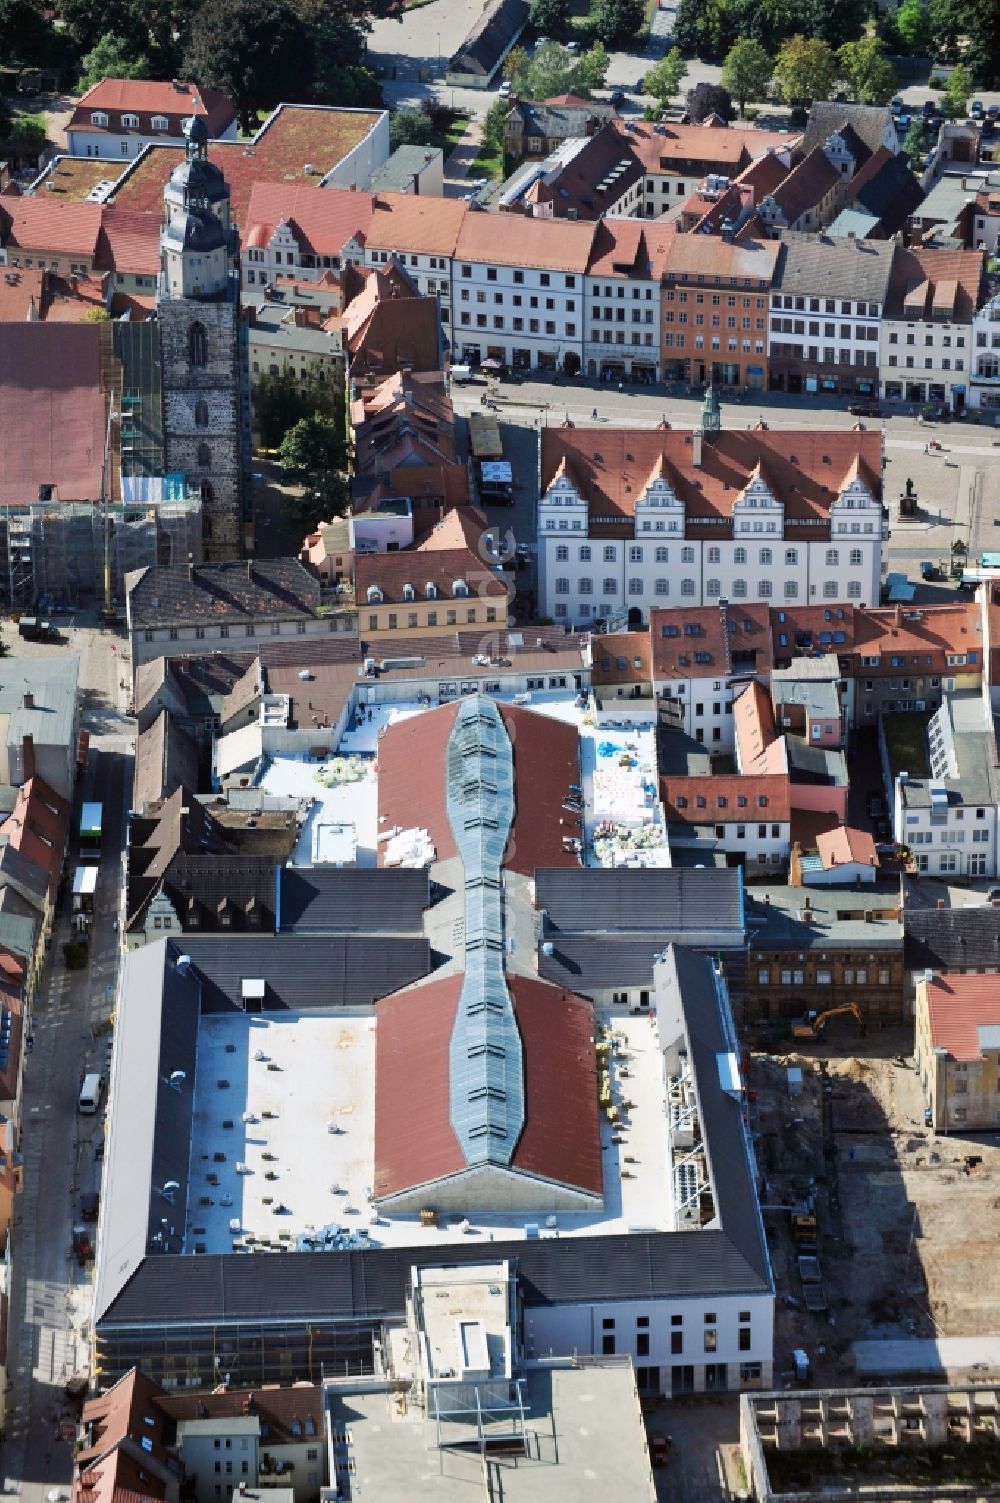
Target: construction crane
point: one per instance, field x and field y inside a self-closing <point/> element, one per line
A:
<point x="811" y="1026"/>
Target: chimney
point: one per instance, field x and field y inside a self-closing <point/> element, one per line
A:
<point x="29" y="700"/>
<point x="696" y="448"/>
<point x="28" y="748"/>
<point x="899" y="615"/>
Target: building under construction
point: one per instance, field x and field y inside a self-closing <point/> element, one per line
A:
<point x="85" y="498"/>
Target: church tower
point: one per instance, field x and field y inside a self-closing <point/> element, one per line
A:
<point x="201" y="353"/>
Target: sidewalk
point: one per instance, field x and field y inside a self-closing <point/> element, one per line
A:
<point x="459" y="162"/>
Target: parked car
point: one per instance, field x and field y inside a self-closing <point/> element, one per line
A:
<point x="659" y="1449"/>
<point x="83" y="1247"/>
<point x="993" y="895"/>
<point x="90" y="1204"/>
<point x="573" y="47"/>
<point x="618" y="97"/>
<point x="976" y="110"/>
<point x="897" y="105"/>
<point x="504" y="90"/>
<point x="993" y="112"/>
<point x="865" y="409"/>
<point x="929" y="570"/>
<point x="928" y="108"/>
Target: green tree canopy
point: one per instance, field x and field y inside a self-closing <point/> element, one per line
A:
<point x="913" y="145"/>
<point x="314" y="452"/>
<point x="27" y="37"/>
<point x="707" y="28"/>
<point x="87" y="21"/>
<point x="957" y="90"/>
<point x="409" y="127"/>
<point x="805" y="69"/>
<point x="663" y="79"/>
<point x="833" y="21"/>
<point x="550" y="18"/>
<point x="868" y="71"/>
<point x="980" y="22"/>
<point x="258" y="52"/>
<point x="554" y="71"/>
<point x="279" y="402"/>
<point x="913" y="26"/>
<point x="618" y="20"/>
<point x="112" y="57"/>
<point x="747" y="72"/>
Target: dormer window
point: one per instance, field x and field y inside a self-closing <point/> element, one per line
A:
<point x="374" y="594"/>
<point x="431" y="590"/>
<point x="98" y="117"/>
<point x="160" y="122"/>
<point x="409" y="593"/>
<point x="459" y="589"/>
<point x="130" y="122"/>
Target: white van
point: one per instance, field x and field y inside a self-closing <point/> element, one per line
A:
<point x="90" y="1094"/>
<point x="461" y="374"/>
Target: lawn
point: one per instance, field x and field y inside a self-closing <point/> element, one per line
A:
<point x="489" y="163"/>
<point x="906" y="741"/>
<point x="453" y="132"/>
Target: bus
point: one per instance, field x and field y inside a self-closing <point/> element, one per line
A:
<point x="91" y="822"/>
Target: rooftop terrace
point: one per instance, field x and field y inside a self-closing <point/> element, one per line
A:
<point x="285" y="1150"/>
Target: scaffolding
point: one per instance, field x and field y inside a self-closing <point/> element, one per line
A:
<point x="53" y="552"/>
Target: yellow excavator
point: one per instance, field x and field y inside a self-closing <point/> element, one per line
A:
<point x="812" y="1026"/>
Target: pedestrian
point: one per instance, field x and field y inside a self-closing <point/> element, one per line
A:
<point x="594" y="414"/>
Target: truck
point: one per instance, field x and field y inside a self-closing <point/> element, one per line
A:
<point x="34" y="629"/>
<point x="484" y="436"/>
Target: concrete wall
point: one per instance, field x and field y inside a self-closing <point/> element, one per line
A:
<point x="355" y="169"/>
<point x="194" y="641"/>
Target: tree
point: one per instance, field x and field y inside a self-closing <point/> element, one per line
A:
<point x="87" y="21"/>
<point x="618" y="20"/>
<point x="981" y="25"/>
<point x="314" y="452"/>
<point x="913" y="145"/>
<point x="592" y="70"/>
<point x="663" y="80"/>
<point x="279" y="402"/>
<point x="833" y="21"/>
<point x="27" y="37"/>
<point x="112" y="57"/>
<point x="707" y="28"/>
<point x="957" y="90"/>
<point x="747" y="71"/>
<point x="868" y="71"/>
<point x="913" y="27"/>
<point x="493" y="132"/>
<point x="27" y="138"/>
<point x="549" y="18"/>
<point x="805" y="69"/>
<point x="709" y="99"/>
<point x="554" y="71"/>
<point x="410" y="127"/>
<point x="258" y="52"/>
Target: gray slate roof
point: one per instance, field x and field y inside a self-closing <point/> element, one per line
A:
<point x="945" y="939"/>
<point x="668" y="903"/>
<point x="590" y="963"/>
<point x="500" y="24"/>
<point x="259" y="590"/>
<point x="775" y="917"/>
<point x="708" y="1025"/>
<point x="53" y="682"/>
<point x="330" y="1286"/>
<point x="332" y="900"/>
<point x="303" y="972"/>
<point x="868" y="121"/>
<point x="827" y="266"/>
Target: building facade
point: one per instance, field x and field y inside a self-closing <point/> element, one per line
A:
<point x="615" y="535"/>
<point x="826" y="306"/>
<point x="957" y="1049"/>
<point x="204" y="380"/>
<point x="715" y="298"/>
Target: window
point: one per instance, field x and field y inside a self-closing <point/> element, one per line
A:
<point x="739" y="556"/>
<point x="562" y="553"/>
<point x="197" y="344"/>
<point x="201" y="414"/>
<point x="711" y="1339"/>
<point x="204" y="456"/>
<point x="744" y="1338"/>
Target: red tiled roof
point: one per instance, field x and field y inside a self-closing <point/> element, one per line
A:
<point x="144" y="96"/>
<point x="442" y="567"/>
<point x="399" y="333"/>
<point x="612" y="468"/>
<point x="622" y="658"/>
<point x="38" y="825"/>
<point x="50" y="396"/>
<point x="753" y="721"/>
<point x="888" y="631"/>
<point x="710" y="258"/>
<point x="844" y="845"/>
<point x="415" y="224"/>
<point x="44" y="224"/>
<point x="560" y="1140"/>
<point x="715" y="800"/>
<point x="558" y="244"/>
<point x="630" y="248"/>
<point x="128" y="242"/>
<point x="19" y="290"/>
<point x="323" y="222"/>
<point x="411" y="778"/>
<point x="957" y="1007"/>
<point x="678" y="632"/>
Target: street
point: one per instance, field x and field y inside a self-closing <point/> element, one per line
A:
<point x="50" y="1297"/>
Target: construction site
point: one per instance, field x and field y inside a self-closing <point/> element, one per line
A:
<point x="70" y="541"/>
<point x="879" y="1229"/>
